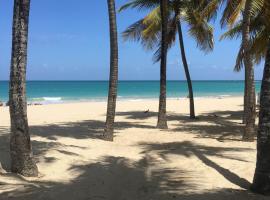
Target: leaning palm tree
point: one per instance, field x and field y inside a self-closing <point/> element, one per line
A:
<point x="20" y="146"/>
<point x="148" y="30"/>
<point x="109" y="126"/>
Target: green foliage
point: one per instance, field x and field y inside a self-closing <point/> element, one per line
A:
<point x="259" y="29"/>
<point x="195" y="13"/>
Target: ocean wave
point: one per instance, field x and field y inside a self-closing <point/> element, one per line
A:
<point x="46" y="100"/>
<point x="52" y="98"/>
<point x="225" y="95"/>
<point x="59" y="100"/>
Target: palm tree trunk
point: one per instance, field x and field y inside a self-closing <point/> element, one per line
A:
<point x="245" y="97"/>
<point x="185" y="64"/>
<point x="162" y="118"/>
<point x="261" y="182"/>
<point x="249" y="131"/>
<point x="20" y="145"/>
<point x="112" y="96"/>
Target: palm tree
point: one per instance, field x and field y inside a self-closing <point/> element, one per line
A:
<point x="162" y="119"/>
<point x="250" y="109"/>
<point x="258" y="32"/>
<point x="186" y="68"/>
<point x="231" y="13"/>
<point x="20" y="146"/>
<point x="109" y="126"/>
<point x="253" y="50"/>
<point x="148" y="31"/>
<point x="261" y="181"/>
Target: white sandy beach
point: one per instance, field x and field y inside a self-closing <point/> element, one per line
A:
<point x="197" y="160"/>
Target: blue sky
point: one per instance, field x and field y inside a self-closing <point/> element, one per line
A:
<point x="69" y="40"/>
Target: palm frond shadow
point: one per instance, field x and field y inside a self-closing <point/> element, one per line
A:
<point x="220" y="125"/>
<point x="121" y="178"/>
<point x="81" y="130"/>
<point x="89" y="129"/>
<point x="142" y="115"/>
<point x="201" y="152"/>
<point x="222" y="128"/>
<point x="39" y="150"/>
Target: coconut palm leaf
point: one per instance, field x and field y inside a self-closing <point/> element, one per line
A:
<point x="200" y="30"/>
<point x="232" y="11"/>
<point x="140" y="5"/>
<point x="259" y="33"/>
<point x="148" y="30"/>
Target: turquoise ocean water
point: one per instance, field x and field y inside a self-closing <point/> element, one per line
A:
<point x="61" y="91"/>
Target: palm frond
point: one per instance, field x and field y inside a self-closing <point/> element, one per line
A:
<point x="172" y="31"/>
<point x="234" y="32"/>
<point x="239" y="60"/>
<point x="152" y="23"/>
<point x="140" y="5"/>
<point x="133" y="32"/>
<point x="210" y="10"/>
<point x="259" y="46"/>
<point x="232" y="12"/>
<point x="196" y="13"/>
<point x="200" y="30"/>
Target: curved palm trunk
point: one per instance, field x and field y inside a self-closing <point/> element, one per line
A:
<point x="261" y="182"/>
<point x="250" y="106"/>
<point x="162" y="118"/>
<point x="20" y="145"/>
<point x="111" y="106"/>
<point x="184" y="60"/>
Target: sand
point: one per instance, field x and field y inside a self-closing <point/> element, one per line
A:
<point x="194" y="159"/>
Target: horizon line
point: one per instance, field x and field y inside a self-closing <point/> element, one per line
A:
<point x="143" y="80"/>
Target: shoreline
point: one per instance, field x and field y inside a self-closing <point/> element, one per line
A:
<point x="120" y="99"/>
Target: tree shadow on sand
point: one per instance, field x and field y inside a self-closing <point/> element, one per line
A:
<point x="39" y="149"/>
<point x="120" y="178"/>
<point x="88" y="129"/>
<point x="142" y="115"/>
<point x="220" y="125"/>
<point x="81" y="130"/>
<point x="114" y="178"/>
<point x="202" y="153"/>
